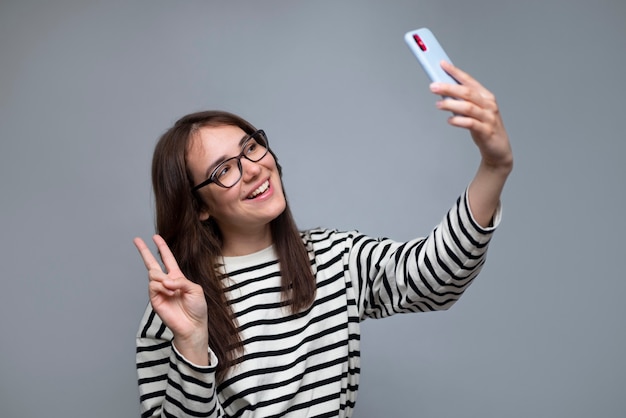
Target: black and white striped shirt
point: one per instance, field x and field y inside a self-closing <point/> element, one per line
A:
<point x="307" y="365"/>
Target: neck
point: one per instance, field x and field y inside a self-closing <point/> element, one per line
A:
<point x="237" y="243"/>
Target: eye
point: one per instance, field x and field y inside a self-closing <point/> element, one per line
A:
<point x="251" y="147"/>
<point x="222" y="170"/>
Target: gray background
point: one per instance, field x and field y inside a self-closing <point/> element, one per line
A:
<point x="86" y="88"/>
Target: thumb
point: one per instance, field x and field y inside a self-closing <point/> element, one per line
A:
<point x="180" y="283"/>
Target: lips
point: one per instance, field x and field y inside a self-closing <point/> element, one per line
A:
<point x="260" y="190"/>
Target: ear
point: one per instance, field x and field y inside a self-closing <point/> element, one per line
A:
<point x="201" y="208"/>
<point x="204" y="214"/>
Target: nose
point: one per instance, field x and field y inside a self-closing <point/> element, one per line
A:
<point x="249" y="170"/>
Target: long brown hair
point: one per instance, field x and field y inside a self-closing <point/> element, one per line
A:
<point x="197" y="244"/>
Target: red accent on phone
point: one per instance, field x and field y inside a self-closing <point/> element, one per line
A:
<point x="420" y="43"/>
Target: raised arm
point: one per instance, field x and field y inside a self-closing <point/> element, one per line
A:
<point x="478" y="112"/>
<point x="179" y="302"/>
<point x="175" y="368"/>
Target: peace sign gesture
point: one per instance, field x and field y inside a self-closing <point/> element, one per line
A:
<point x="179" y="302"/>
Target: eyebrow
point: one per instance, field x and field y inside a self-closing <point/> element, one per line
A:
<point x="223" y="158"/>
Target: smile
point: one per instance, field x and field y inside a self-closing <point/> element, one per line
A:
<point x="262" y="188"/>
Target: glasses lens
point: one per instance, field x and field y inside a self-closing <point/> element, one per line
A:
<point x="255" y="148"/>
<point x="227" y="173"/>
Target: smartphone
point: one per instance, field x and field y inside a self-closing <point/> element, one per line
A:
<point x="429" y="53"/>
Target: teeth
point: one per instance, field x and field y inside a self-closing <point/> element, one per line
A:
<point x="260" y="190"/>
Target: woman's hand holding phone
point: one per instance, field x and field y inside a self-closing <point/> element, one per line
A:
<point x="473" y="108"/>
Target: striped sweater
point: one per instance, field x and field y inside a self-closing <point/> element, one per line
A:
<point x="307" y="365"/>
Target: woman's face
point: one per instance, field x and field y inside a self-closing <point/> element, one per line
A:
<point x="256" y="199"/>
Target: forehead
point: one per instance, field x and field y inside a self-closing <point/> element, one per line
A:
<point x="215" y="141"/>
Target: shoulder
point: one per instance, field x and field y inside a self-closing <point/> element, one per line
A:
<point x="327" y="239"/>
<point x="326" y="234"/>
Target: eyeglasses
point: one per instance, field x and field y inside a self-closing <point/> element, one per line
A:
<point x="229" y="172"/>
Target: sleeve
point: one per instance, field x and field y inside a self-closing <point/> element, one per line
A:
<point x="424" y="274"/>
<point x="169" y="385"/>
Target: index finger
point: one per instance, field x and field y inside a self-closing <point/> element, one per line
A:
<point x="460" y="75"/>
<point x="149" y="260"/>
<point x="470" y="89"/>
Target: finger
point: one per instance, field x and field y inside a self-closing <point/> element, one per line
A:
<point x="148" y="258"/>
<point x="475" y="90"/>
<point x="158" y="288"/>
<point x="465" y="108"/>
<point x="460" y="75"/>
<point x="481" y="132"/>
<point x="169" y="286"/>
<point x="477" y="95"/>
<point x="468" y="123"/>
<point x="166" y="255"/>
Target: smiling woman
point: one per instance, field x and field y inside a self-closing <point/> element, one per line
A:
<point x="242" y="212"/>
<point x="197" y="225"/>
<point x="254" y="318"/>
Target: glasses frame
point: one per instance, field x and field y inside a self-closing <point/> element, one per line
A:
<point x="213" y="179"/>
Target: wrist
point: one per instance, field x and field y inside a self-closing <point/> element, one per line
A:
<point x="500" y="168"/>
<point x="194" y="347"/>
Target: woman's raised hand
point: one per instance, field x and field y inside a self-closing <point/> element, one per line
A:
<point x="179" y="302"/>
<point x="478" y="112"/>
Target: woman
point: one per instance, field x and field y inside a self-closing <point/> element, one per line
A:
<point x="252" y="317"/>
